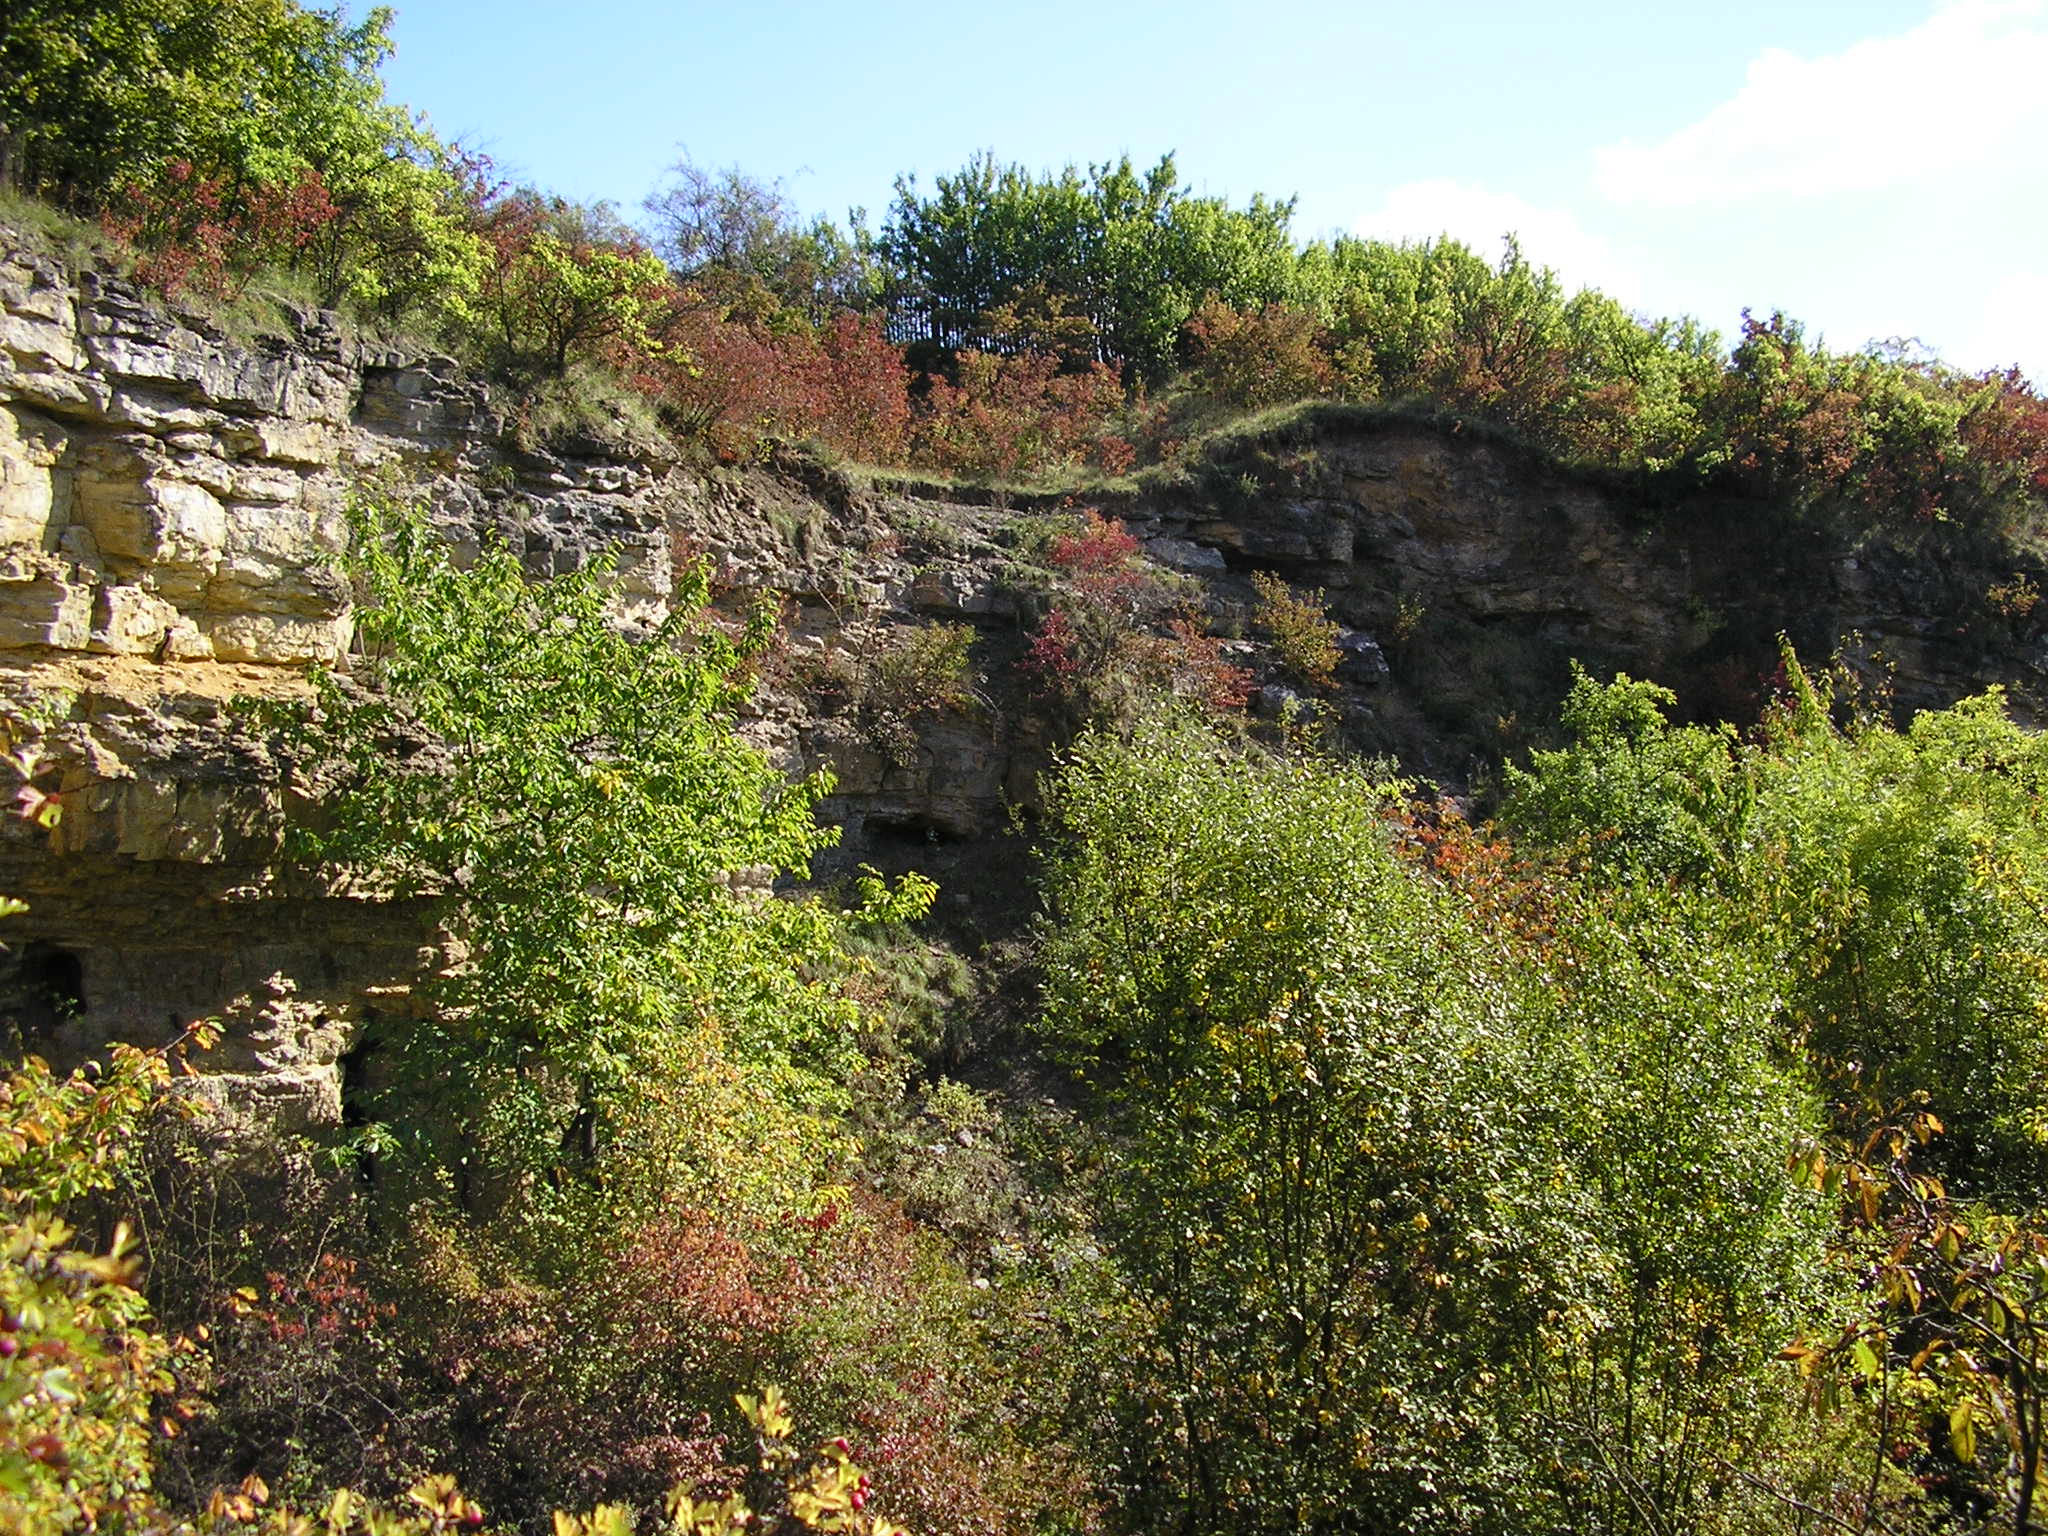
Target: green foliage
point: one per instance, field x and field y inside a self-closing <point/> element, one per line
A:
<point x="96" y="94"/>
<point x="1906" y="871"/>
<point x="1700" y="1256"/>
<point x="209" y="113"/>
<point x="574" y="802"/>
<point x="1133" y="255"/>
<point x="1892" y="879"/>
<point x="81" y="1369"/>
<point x="911" y="678"/>
<point x="1470" y="1223"/>
<point x="1282" y="1022"/>
<point x="893" y="679"/>
<point x="1576" y="373"/>
<point x="565" y="281"/>
<point x="1300" y="628"/>
<point x="1631" y="792"/>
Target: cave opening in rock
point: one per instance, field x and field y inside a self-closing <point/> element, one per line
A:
<point x="43" y="987"/>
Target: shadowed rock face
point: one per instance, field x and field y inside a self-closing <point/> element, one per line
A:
<point x="171" y="499"/>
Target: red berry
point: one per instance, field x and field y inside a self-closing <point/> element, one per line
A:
<point x="10" y="1346"/>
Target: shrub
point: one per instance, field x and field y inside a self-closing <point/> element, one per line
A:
<point x="1300" y="628"/>
<point x="612" y="1382"/>
<point x="912" y="677"/>
<point x="576" y="804"/>
<point x="1014" y="415"/>
<point x="564" y="280"/>
<point x="1257" y="358"/>
<point x="1116" y="637"/>
<point x="83" y="1374"/>
<point x="191" y="233"/>
<point x="736" y="382"/>
<point x="1456" y="1225"/>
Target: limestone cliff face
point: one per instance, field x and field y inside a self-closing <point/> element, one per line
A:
<point x="171" y="498"/>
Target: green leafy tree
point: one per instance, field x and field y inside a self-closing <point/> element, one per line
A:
<point x="1631" y="792"/>
<point x="576" y="805"/>
<point x="92" y="95"/>
<point x="1895" y="879"/>
<point x="1315" y="1081"/>
<point x="209" y="114"/>
<point x="1132" y="255"/>
<point x="1449" y="1205"/>
<point x="1696" y="1255"/>
<point x="566" y="280"/>
<point x="1908" y="871"/>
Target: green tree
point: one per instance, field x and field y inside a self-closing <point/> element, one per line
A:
<point x="156" y="99"/>
<point x="567" y="279"/>
<point x="576" y="805"/>
<point x="1449" y="1206"/>
<point x="1631" y="792"/>
<point x="1896" y="880"/>
<point x="1318" y="1087"/>
<point x="1132" y="255"/>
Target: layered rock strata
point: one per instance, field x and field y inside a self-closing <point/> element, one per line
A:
<point x="172" y="496"/>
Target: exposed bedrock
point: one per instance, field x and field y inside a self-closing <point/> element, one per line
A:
<point x="171" y="499"/>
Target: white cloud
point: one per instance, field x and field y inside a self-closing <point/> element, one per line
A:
<point x="1550" y="237"/>
<point x="1951" y="93"/>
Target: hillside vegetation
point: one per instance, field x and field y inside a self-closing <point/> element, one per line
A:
<point x="1664" y="1155"/>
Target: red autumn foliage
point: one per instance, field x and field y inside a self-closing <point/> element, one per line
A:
<point x="1099" y="558"/>
<point x="1114" y="454"/>
<point x="194" y="231"/>
<point x="1115" y="632"/>
<point x="1189" y="664"/>
<point x="327" y="1304"/>
<point x="1053" y="652"/>
<point x="1015" y="414"/>
<point x="1513" y="895"/>
<point x="733" y="380"/>
<point x="2007" y="426"/>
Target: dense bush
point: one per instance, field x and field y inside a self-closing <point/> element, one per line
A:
<point x="735" y="381"/>
<point x="1131" y="254"/>
<point x="1116" y="634"/>
<point x="1430" y="1234"/>
<point x="1013" y="415"/>
<point x="564" y="280"/>
<point x="577" y="805"/>
<point x="1891" y="878"/>
<point x="1259" y="358"/>
<point x="220" y="138"/>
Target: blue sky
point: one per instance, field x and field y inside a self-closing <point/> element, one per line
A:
<point x="1870" y="167"/>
